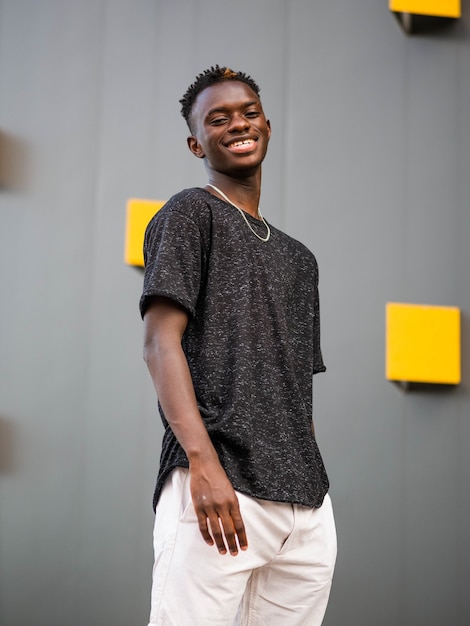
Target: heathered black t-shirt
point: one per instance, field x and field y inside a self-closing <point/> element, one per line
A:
<point x="252" y="343"/>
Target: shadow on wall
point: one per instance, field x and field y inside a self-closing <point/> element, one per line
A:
<point x="13" y="162"/>
<point x="7" y="446"/>
<point x="465" y="343"/>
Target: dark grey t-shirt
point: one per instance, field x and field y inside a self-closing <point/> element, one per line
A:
<point x="252" y="343"/>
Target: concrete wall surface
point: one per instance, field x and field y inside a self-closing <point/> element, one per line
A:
<point x="369" y="166"/>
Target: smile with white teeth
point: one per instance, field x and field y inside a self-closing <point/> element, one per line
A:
<point x="245" y="142"/>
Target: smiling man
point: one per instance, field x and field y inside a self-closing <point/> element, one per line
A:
<point x="244" y="528"/>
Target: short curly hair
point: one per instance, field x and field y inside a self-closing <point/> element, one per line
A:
<point x="209" y="77"/>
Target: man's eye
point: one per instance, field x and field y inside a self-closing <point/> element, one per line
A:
<point x="218" y="120"/>
<point x="252" y="113"/>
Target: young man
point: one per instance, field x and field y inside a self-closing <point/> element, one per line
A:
<point x="244" y="529"/>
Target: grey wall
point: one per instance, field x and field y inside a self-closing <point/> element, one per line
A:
<point x="369" y="166"/>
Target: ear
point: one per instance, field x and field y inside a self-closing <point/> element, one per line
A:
<point x="268" y="123"/>
<point x="195" y="147"/>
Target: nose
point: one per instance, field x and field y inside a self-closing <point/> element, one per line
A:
<point x="238" y="122"/>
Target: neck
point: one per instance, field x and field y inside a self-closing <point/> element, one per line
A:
<point x="223" y="195"/>
<point x="244" y="193"/>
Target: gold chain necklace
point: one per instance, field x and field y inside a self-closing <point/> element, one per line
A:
<point x="268" y="233"/>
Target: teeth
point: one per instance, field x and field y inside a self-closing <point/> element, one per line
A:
<point x="242" y="143"/>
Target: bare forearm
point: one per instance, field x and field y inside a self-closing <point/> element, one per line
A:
<point x="212" y="493"/>
<point x="172" y="381"/>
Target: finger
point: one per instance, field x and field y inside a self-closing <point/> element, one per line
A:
<point x="202" y="521"/>
<point x="234" y="530"/>
<point x="217" y="535"/>
<point x="240" y="530"/>
<point x="229" y="533"/>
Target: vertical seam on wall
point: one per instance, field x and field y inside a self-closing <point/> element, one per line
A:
<point x="403" y="292"/>
<point x="94" y="195"/>
<point x="285" y="115"/>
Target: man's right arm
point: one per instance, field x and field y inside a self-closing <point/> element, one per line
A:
<point x="212" y="494"/>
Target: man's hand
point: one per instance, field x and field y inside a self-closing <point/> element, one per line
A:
<point x="216" y="506"/>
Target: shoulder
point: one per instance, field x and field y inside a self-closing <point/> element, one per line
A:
<point x="190" y="204"/>
<point x="185" y="219"/>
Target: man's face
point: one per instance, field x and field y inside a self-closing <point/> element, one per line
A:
<point x="230" y="130"/>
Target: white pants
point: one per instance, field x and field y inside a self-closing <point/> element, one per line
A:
<point x="283" y="579"/>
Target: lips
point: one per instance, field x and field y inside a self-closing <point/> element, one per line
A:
<point x="242" y="145"/>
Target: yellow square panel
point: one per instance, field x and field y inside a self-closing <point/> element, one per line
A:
<point x="438" y="8"/>
<point x="139" y="214"/>
<point x="422" y="343"/>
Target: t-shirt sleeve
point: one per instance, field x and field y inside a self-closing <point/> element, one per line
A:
<point x="173" y="255"/>
<point x="318" y="363"/>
